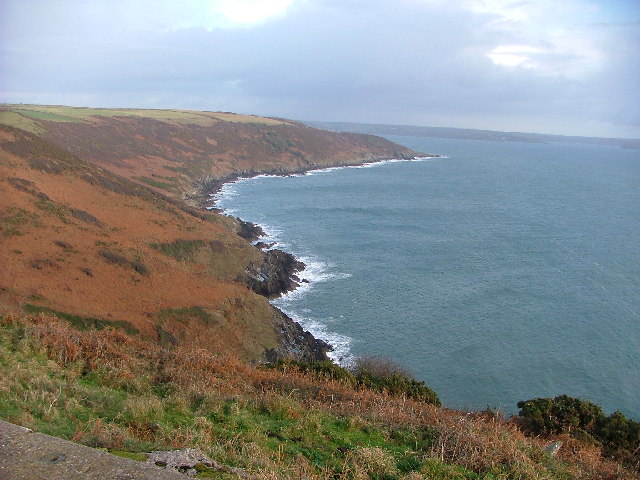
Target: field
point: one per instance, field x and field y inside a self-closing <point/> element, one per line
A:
<point x="59" y="113"/>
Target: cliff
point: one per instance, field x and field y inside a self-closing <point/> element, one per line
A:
<point x="102" y="222"/>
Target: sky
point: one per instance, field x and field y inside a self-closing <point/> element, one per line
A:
<point x="548" y="66"/>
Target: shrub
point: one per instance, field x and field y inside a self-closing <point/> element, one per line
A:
<point x="117" y="259"/>
<point x="618" y="435"/>
<point x="385" y="375"/>
<point x="180" y="249"/>
<point x="139" y="267"/>
<point x="324" y="369"/>
<point x="561" y="414"/>
<point x="113" y="258"/>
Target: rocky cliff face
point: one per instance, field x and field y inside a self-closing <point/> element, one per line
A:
<point x="296" y="343"/>
<point x="275" y="275"/>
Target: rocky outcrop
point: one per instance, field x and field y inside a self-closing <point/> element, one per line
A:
<point x="249" y="231"/>
<point x="25" y="454"/>
<point x="275" y="275"/>
<point x="295" y="342"/>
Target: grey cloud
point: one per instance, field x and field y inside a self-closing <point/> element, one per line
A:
<point x="378" y="61"/>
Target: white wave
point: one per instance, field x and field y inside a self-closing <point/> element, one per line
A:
<point x="272" y="234"/>
<point x="341" y="344"/>
<point x="429" y="159"/>
<point x="317" y="271"/>
<point x="377" y="163"/>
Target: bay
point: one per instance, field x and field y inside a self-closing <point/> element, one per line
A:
<point x="498" y="273"/>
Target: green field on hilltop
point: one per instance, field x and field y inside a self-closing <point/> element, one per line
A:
<point x="26" y="116"/>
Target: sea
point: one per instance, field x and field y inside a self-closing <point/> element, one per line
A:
<point x="495" y="273"/>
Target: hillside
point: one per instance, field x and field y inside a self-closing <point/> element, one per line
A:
<point x="110" y="390"/>
<point x="94" y="225"/>
<point x="133" y="319"/>
<point x="185" y="153"/>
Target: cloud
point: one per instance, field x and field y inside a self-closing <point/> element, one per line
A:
<point x="569" y="66"/>
<point x="249" y="12"/>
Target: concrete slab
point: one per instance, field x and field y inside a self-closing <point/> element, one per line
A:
<point x="27" y="455"/>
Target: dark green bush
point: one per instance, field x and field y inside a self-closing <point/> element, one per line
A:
<point x="620" y="436"/>
<point x="324" y="369"/>
<point x="617" y="434"/>
<point x="562" y="414"/>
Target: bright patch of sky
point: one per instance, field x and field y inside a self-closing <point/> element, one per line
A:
<point x="206" y="14"/>
<point x="249" y="12"/>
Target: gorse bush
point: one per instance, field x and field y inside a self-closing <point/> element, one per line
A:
<point x="561" y="414"/>
<point x="618" y="435"/>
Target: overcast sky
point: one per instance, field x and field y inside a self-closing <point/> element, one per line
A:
<point x="549" y="66"/>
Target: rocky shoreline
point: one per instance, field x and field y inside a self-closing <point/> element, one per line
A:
<point x="277" y="274"/>
<point x="204" y="187"/>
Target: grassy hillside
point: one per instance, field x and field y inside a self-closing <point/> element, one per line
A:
<point x="186" y="153"/>
<point x="106" y="389"/>
<point x="79" y="240"/>
<point x="132" y="319"/>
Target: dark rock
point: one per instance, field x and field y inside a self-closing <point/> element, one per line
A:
<point x="275" y="275"/>
<point x="249" y="231"/>
<point x="296" y="343"/>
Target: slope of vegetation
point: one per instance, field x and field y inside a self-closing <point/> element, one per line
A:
<point x="186" y="153"/>
<point x="104" y="388"/>
<point x="128" y="322"/>
<point x="79" y="240"/>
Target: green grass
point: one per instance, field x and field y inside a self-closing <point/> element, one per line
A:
<point x="52" y="208"/>
<point x="20" y="116"/>
<point x="82" y="323"/>
<point x="45" y="115"/>
<point x="14" y="119"/>
<point x="14" y="218"/>
<point x="138" y="457"/>
<point x="180" y="249"/>
<point x="130" y="397"/>
<point x="168" y="185"/>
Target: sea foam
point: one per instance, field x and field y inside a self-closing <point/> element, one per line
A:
<point x="315" y="271"/>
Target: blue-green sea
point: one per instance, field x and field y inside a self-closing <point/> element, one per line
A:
<point x="499" y="272"/>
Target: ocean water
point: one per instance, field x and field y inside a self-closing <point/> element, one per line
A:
<point x="497" y="273"/>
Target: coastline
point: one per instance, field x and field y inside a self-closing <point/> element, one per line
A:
<point x="205" y="188"/>
<point x="287" y="266"/>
